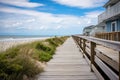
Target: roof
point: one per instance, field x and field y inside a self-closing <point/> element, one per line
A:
<point x="89" y="27"/>
<point x="111" y="2"/>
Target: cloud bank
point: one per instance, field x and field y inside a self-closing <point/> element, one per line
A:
<point x="42" y="20"/>
<point x="33" y="21"/>
<point x="21" y="3"/>
<point x="81" y="3"/>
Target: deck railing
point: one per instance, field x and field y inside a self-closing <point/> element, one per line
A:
<point x="110" y="12"/>
<point x="115" y="36"/>
<point x="104" y="67"/>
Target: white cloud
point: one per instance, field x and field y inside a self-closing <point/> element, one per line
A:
<point x="58" y="27"/>
<point x="44" y="21"/>
<point x="82" y="3"/>
<point x="93" y="14"/>
<point x="24" y="12"/>
<point x="21" y="3"/>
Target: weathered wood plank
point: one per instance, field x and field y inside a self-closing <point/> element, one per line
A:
<point x="73" y="77"/>
<point x="106" y="69"/>
<point x="88" y="61"/>
<point x="69" y="73"/>
<point x="114" y="55"/>
<point x="107" y="51"/>
<point x="67" y="64"/>
<point x="111" y="44"/>
<point x="108" y="60"/>
<point x="97" y="73"/>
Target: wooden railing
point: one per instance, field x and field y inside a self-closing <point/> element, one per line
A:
<point x="115" y="36"/>
<point x="102" y="64"/>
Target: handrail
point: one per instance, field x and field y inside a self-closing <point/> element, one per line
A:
<point x="101" y="64"/>
<point x="107" y="43"/>
<point x="115" y="36"/>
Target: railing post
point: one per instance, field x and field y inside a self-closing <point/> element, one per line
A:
<point x="81" y="46"/>
<point x="80" y="43"/>
<point x="118" y="36"/>
<point x="84" y="45"/>
<point x="119" y="65"/>
<point x="77" y="41"/>
<point x="92" y="58"/>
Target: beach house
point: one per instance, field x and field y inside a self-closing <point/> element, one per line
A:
<point x="100" y="28"/>
<point x="87" y="30"/>
<point x="111" y="18"/>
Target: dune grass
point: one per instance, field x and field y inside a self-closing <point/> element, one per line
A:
<point x="18" y="62"/>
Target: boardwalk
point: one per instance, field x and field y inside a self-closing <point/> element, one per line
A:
<point x="67" y="64"/>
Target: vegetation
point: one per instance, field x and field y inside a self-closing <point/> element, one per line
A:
<point x="18" y="62"/>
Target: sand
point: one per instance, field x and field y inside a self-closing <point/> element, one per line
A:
<point x="5" y="44"/>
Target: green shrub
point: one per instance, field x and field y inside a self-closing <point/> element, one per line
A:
<point x="16" y="68"/>
<point x="40" y="46"/>
<point x="19" y="61"/>
<point x="44" y="56"/>
<point x="12" y="52"/>
<point x="51" y="41"/>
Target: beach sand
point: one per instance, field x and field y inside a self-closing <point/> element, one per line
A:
<point x="5" y="44"/>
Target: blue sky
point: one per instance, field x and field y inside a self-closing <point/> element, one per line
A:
<point x="48" y="17"/>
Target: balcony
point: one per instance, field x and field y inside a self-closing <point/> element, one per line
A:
<point x="110" y="12"/>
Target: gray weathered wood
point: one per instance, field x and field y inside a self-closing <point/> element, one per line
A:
<point x="67" y="64"/>
<point x="97" y="73"/>
<point x="106" y="69"/>
<point x="108" y="60"/>
<point x="107" y="52"/>
<point x="111" y="44"/>
<point x="92" y="50"/>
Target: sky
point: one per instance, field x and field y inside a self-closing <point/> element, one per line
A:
<point x="48" y="17"/>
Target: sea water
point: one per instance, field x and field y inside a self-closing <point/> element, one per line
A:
<point x="21" y="37"/>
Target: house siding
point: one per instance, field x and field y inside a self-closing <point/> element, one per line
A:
<point x="118" y="27"/>
<point x="108" y="25"/>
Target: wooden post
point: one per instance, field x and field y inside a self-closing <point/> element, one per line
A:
<point x="118" y="36"/>
<point x="84" y="45"/>
<point x="81" y="46"/>
<point x="93" y="45"/>
<point x="80" y="43"/>
<point x="108" y="36"/>
<point x="119" y="65"/>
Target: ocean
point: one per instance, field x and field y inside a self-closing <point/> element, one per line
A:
<point x="21" y="37"/>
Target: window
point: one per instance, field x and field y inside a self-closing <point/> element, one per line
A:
<point x="113" y="26"/>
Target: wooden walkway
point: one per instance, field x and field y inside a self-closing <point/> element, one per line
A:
<point x="67" y="64"/>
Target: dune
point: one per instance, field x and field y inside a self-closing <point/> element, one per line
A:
<point x="8" y="43"/>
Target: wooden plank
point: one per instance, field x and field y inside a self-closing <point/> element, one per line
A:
<point x="97" y="73"/>
<point x="87" y="77"/>
<point x="67" y="64"/>
<point x="106" y="69"/>
<point x="108" y="52"/>
<point x="88" y="61"/>
<point x="108" y="60"/>
<point x="108" y="56"/>
<point x="119" y="65"/>
<point x="111" y="44"/>
<point x="92" y="52"/>
<point x="70" y="73"/>
<point x="84" y="45"/>
<point x="88" y="44"/>
<point x="88" y="51"/>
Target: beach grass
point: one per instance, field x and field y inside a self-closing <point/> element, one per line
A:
<point x="20" y="62"/>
